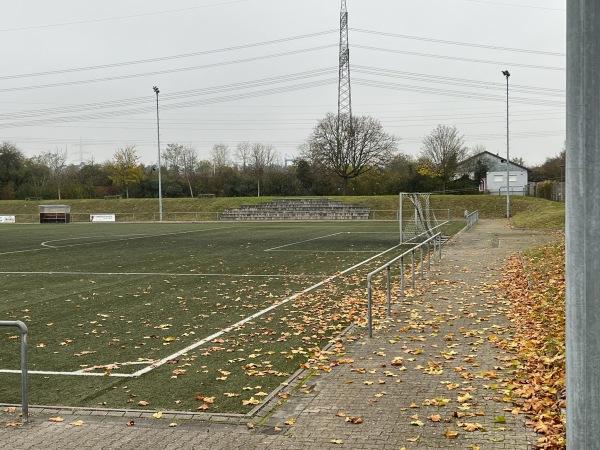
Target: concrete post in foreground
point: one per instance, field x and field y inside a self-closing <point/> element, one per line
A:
<point x="583" y="224"/>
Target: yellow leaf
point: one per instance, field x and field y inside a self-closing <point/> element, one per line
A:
<point x="451" y="434"/>
<point x="56" y="419"/>
<point x="157" y="415"/>
<point x="77" y="423"/>
<point x="336" y="441"/>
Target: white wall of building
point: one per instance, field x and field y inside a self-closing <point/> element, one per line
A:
<point x="496" y="182"/>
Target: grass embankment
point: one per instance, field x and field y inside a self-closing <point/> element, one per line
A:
<point x="527" y="212"/>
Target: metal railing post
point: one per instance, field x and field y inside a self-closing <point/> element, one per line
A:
<point x="412" y="273"/>
<point x="389" y="290"/>
<point x="422" y="260"/>
<point x="402" y="286"/>
<point x="388" y="268"/>
<point x="24" y="391"/>
<point x="428" y="255"/>
<point x="369" y="307"/>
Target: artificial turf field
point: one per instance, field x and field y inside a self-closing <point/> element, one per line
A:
<point x="172" y="314"/>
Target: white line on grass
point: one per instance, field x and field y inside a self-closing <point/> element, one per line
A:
<point x="137" y="236"/>
<point x="25" y="251"/>
<point x="301" y="242"/>
<point x="323" y="251"/>
<point x="255" y="316"/>
<point x="168" y="274"/>
<point x="197" y="344"/>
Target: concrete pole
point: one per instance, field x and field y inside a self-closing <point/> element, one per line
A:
<point x="583" y="224"/>
<point x="507" y="75"/>
<point x="160" y="202"/>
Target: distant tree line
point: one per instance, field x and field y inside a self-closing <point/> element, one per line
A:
<point x="340" y="157"/>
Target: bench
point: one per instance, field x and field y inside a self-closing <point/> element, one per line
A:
<point x="205" y="196"/>
<point x="108" y="197"/>
<point x="34" y="198"/>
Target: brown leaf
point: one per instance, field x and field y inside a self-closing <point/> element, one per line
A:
<point x="451" y="434"/>
<point x="130" y="423"/>
<point x="354" y="420"/>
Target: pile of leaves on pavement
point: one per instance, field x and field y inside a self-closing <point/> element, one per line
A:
<point x="534" y="288"/>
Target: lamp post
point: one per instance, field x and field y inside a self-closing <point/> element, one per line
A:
<point x="506" y="73"/>
<point x="160" y="208"/>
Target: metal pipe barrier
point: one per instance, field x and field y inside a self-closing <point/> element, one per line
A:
<point x="472" y="219"/>
<point x="24" y="391"/>
<point x="436" y="240"/>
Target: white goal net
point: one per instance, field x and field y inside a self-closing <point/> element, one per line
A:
<point x="416" y="217"/>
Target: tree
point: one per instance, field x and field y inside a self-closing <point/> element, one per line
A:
<point x="242" y="154"/>
<point x="189" y="161"/>
<point x="124" y="169"/>
<point x="261" y="158"/>
<point x="442" y="150"/>
<point x="220" y="156"/>
<point x="552" y="169"/>
<point x="12" y="162"/>
<point x="349" y="150"/>
<point x="55" y="162"/>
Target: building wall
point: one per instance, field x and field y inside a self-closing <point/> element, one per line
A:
<point x="495" y="182"/>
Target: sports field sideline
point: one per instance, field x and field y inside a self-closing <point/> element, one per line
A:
<point x="167" y="314"/>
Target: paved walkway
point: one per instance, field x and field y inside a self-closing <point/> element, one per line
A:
<point x="428" y="374"/>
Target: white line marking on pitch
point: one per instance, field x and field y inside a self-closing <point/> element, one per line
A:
<point x="255" y="316"/>
<point x="301" y="242"/>
<point x="197" y="344"/>
<point x="168" y="274"/>
<point x="137" y="236"/>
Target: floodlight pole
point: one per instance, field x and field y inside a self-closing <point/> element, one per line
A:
<point x="160" y="206"/>
<point x="506" y="73"/>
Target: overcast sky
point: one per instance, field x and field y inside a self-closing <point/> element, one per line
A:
<point x="78" y="75"/>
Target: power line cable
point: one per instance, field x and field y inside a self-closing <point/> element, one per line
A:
<point x="456" y="58"/>
<point x="81" y="22"/>
<point x="465" y="44"/>
<point x="163" y="72"/>
<point x="171" y="96"/>
<point x="164" y="58"/>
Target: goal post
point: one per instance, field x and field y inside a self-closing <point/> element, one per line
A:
<point x="415" y="216"/>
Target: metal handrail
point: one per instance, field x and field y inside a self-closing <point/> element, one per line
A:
<point x="437" y="252"/>
<point x="472" y="219"/>
<point x="24" y="392"/>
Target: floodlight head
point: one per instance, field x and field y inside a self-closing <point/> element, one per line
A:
<point x="156" y="89"/>
<point x="506" y="73"/>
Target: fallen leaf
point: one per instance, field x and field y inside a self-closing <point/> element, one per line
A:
<point x="130" y="423"/>
<point x="157" y="415"/>
<point x="451" y="434"/>
<point x="143" y="403"/>
<point x="77" y="423"/>
<point x="354" y="420"/>
<point x="56" y="419"/>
